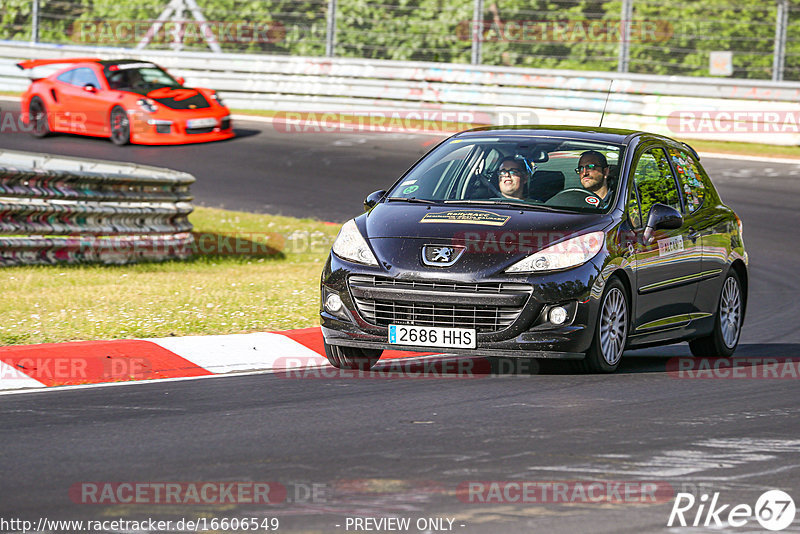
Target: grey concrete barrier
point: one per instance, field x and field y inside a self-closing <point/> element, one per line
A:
<point x="69" y="210"/>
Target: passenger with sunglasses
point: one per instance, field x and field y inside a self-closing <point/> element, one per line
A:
<point x="593" y="171"/>
<point x="512" y="178"/>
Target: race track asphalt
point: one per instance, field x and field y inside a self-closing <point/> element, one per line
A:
<point x="402" y="447"/>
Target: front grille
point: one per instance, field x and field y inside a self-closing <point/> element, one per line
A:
<point x="200" y="130"/>
<point x="487" y="306"/>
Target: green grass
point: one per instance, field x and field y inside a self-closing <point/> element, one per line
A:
<point x="208" y="295"/>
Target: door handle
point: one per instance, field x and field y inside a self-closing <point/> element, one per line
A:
<point x="693" y="234"/>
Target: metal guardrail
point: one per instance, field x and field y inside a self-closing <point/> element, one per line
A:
<point x="68" y="210"/>
<point x="504" y="93"/>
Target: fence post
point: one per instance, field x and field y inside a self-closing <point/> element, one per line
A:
<point x="625" y="35"/>
<point x="35" y="21"/>
<point x="330" y="38"/>
<point x="779" y="53"/>
<point x="477" y="31"/>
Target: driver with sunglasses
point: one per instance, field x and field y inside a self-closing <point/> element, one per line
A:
<point x="593" y="172"/>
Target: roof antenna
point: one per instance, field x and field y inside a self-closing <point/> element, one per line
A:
<point x="608" y="93"/>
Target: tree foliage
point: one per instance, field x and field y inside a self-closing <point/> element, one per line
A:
<point x="667" y="36"/>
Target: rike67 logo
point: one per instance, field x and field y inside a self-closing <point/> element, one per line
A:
<point x="774" y="510"/>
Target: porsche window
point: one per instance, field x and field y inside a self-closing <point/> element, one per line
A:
<point x="139" y="78"/>
<point x="469" y="171"/>
<point x="80" y="77"/>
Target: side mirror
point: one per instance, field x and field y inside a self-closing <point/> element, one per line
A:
<point x="661" y="217"/>
<point x="90" y="88"/>
<point x="373" y="198"/>
<point x="181" y="80"/>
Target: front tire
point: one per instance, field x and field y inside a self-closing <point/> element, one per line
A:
<point x="611" y="331"/>
<point x="120" y="127"/>
<point x="37" y="118"/>
<point x="352" y="357"/>
<point x="724" y="338"/>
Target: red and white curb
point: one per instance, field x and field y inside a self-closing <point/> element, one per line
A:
<point x="96" y="362"/>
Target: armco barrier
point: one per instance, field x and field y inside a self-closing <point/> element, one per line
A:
<point x="507" y="94"/>
<point x="57" y="209"/>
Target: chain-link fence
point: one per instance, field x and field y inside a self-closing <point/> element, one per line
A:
<point x="757" y="39"/>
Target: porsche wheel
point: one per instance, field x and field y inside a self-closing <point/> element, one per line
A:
<point x="37" y="118"/>
<point x="728" y="323"/>
<point x="352" y="357"/>
<point x="611" y="332"/>
<point x="120" y="127"/>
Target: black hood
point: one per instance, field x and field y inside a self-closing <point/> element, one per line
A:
<point x="174" y="98"/>
<point x="459" y="223"/>
<point x="491" y="237"/>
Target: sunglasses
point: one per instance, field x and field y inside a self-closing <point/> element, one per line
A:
<point x="514" y="172"/>
<point x="589" y="167"/>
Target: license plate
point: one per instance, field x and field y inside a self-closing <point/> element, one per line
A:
<point x="432" y="336"/>
<point x="201" y="123"/>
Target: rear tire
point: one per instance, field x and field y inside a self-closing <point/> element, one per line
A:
<point x="352" y="357"/>
<point x="724" y="338"/>
<point x="119" y="126"/>
<point x="37" y="118"/>
<point x="611" y="331"/>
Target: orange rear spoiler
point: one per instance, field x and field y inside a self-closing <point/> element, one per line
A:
<point x="31" y="63"/>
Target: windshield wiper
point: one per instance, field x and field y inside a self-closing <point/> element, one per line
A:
<point x="412" y="199"/>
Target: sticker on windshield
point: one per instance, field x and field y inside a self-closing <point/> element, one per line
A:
<point x="466" y="217"/>
<point x="410" y="189"/>
<point x="409" y="182"/>
<point x="594" y="201"/>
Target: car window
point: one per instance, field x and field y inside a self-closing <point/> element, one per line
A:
<point x="654" y="181"/>
<point x="84" y="75"/>
<point x="468" y="170"/>
<point x="139" y="75"/>
<point x="634" y="213"/>
<point x="66" y="77"/>
<point x="690" y="178"/>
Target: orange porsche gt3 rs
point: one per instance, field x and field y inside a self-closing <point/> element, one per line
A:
<point x="126" y="100"/>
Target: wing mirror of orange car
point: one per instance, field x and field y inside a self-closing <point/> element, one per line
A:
<point x="181" y="80"/>
<point x="661" y="217"/>
<point x="90" y="88"/>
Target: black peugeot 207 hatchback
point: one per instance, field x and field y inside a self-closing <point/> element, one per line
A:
<point x="539" y="242"/>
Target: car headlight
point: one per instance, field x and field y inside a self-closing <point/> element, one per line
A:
<point x="147" y="105"/>
<point x="569" y="253"/>
<point x="351" y="245"/>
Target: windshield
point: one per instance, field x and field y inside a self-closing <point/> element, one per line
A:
<point x="568" y="174"/>
<point x="138" y="76"/>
